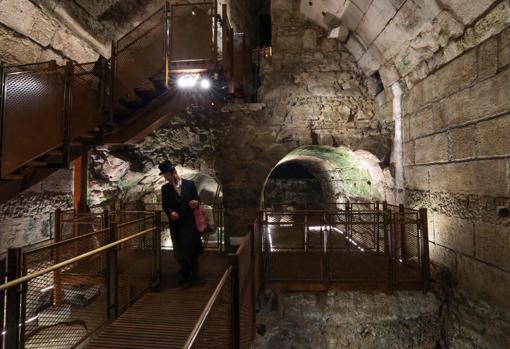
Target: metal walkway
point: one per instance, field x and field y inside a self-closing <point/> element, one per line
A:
<point x="164" y="317"/>
<point x="161" y="319"/>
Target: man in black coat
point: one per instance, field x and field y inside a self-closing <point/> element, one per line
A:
<point x="180" y="198"/>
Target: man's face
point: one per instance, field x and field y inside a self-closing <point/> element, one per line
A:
<point x="172" y="177"/>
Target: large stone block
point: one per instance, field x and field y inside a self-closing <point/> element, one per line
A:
<point x="455" y="233"/>
<point x="482" y="177"/>
<point x="488" y="58"/>
<point x="355" y="47"/>
<point x="421" y="123"/>
<point x="493" y="244"/>
<point x="443" y="257"/>
<point x="468" y="11"/>
<point x="310" y="39"/>
<point x="371" y="60"/>
<point x="352" y="16"/>
<point x="486" y="98"/>
<point x="504" y="48"/>
<point x="493" y="136"/>
<point x="463" y="142"/>
<point x="484" y="281"/>
<point x="416" y="177"/>
<point x="19" y="15"/>
<point x="375" y="19"/>
<point x="432" y="148"/>
<point x="420" y="95"/>
<point x="455" y="76"/>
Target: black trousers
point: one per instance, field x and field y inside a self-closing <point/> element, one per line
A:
<point x="189" y="267"/>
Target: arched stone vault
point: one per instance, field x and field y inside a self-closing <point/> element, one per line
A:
<point x="396" y="37"/>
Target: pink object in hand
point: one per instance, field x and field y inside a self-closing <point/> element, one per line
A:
<point x="200" y="219"/>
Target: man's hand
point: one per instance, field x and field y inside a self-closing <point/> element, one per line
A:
<point x="174" y="216"/>
<point x="193" y="204"/>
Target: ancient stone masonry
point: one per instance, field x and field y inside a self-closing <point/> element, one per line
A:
<point x="27" y="218"/>
<point x="457" y="161"/>
<point x="348" y="320"/>
<point x="313" y="87"/>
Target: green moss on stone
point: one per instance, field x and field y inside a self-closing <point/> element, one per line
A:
<point x="355" y="178"/>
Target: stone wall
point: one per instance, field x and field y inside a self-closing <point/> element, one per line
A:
<point x="457" y="163"/>
<point x="348" y="320"/>
<point x="298" y="193"/>
<point x="30" y="33"/>
<point x="28" y="218"/>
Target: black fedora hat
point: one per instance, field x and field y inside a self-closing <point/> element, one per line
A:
<point x="165" y="167"/>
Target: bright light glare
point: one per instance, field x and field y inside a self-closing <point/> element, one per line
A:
<point x="187" y="81"/>
<point x="205" y="84"/>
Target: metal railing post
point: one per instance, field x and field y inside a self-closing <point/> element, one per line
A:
<point x="388" y="234"/>
<point x="236" y="318"/>
<point x="13" y="308"/>
<point x="167" y="39"/>
<point x="157" y="248"/>
<point x="112" y="276"/>
<point x="68" y="107"/>
<point x="424" y="250"/>
<point x="102" y="95"/>
<point x="253" y="281"/>
<point x="401" y="218"/>
<point x="113" y="73"/>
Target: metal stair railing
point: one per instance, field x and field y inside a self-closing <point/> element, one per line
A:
<point x="65" y="298"/>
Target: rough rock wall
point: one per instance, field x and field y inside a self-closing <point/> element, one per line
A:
<point x="27" y="218"/>
<point x="456" y="153"/>
<point x="348" y="320"/>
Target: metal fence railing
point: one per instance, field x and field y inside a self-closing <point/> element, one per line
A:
<point x="58" y="295"/>
<point x="228" y="321"/>
<point x="368" y="244"/>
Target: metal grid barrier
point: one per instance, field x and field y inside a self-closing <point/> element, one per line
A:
<point x="86" y="104"/>
<point x="193" y="37"/>
<point x="134" y="277"/>
<point x="228" y="321"/>
<point x="362" y="244"/>
<point x="141" y="54"/>
<point x="293" y="245"/>
<point x="214" y="328"/>
<point x="409" y="259"/>
<point x="60" y="305"/>
<point x="32" y="100"/>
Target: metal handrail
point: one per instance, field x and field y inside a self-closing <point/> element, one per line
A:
<point x="63" y="264"/>
<point x="207" y="310"/>
<point x="121" y="225"/>
<point x="68" y="240"/>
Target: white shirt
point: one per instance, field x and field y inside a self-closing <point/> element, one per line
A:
<point x="178" y="186"/>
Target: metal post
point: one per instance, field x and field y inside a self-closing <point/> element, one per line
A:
<point x="253" y="282"/>
<point x="215" y="33"/>
<point x="113" y="73"/>
<point x="57" y="295"/>
<point x="102" y="95"/>
<point x="167" y="39"/>
<point x="3" y="87"/>
<point x="425" y="259"/>
<point x="68" y="107"/>
<point x="106" y="219"/>
<point x="112" y="277"/>
<point x="157" y="248"/>
<point x="376" y="225"/>
<point x="401" y="218"/>
<point x="236" y="318"/>
<point x="13" y="309"/>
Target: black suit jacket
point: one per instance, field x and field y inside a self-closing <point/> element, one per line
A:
<point x="185" y="235"/>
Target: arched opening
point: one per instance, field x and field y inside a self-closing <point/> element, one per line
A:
<point x="317" y="177"/>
